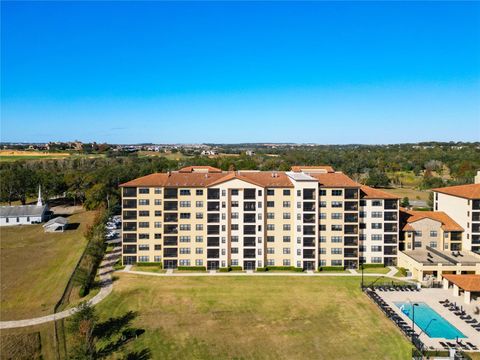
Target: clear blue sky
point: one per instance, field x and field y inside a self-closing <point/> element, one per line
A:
<point x="163" y="72"/>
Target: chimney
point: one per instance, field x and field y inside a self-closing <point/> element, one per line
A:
<point x="477" y="178"/>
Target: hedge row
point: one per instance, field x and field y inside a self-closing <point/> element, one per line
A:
<point x="192" y="268"/>
<point x="156" y="264"/>
<point x="331" y="268"/>
<point x="367" y="266"/>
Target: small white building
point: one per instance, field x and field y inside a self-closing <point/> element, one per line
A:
<point x="24" y="214"/>
<point x="58" y="224"/>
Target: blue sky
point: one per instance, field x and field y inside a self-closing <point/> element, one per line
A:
<point x="164" y="72"/>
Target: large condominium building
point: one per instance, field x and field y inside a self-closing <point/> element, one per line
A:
<point x="306" y="218"/>
<point x="462" y="204"/>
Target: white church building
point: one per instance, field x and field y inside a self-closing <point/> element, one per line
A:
<point x="24" y="214"/>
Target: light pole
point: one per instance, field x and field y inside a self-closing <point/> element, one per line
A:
<point x="413" y="322"/>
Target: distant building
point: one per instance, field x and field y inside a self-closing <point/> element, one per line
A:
<point x="58" y="224"/>
<point x="24" y="214"/>
<point x="249" y="152"/>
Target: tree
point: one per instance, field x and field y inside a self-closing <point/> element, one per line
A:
<point x="430" y="200"/>
<point x="82" y="325"/>
<point x="378" y="178"/>
<point x="405" y="202"/>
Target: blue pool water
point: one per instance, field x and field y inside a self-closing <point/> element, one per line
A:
<point x="436" y="328"/>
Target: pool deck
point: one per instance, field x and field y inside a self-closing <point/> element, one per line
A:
<point x="432" y="297"/>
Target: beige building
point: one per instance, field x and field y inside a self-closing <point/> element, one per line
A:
<point x="306" y="218"/>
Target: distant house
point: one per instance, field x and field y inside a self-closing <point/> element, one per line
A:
<point x="24" y="214"/>
<point x="56" y="224"/>
<point x="249" y="152"/>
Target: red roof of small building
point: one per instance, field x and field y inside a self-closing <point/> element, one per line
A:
<point x="471" y="191"/>
<point x="468" y="282"/>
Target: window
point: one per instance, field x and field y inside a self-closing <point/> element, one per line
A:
<point x="158" y="202"/>
<point x="184" y="215"/>
<point x="199" y="262"/>
<point x="144" y="202"/>
<point x="286" y="251"/>
<point x="336" y="251"/>
<point x="199" y="215"/>
<point x="337" y="239"/>
<point x="158" y="236"/>
<point x="323" y="216"/>
<point x="199" y="227"/>
<point x="418" y="233"/>
<point x="376" y="260"/>
<point x="433" y="244"/>
<point x="185" y="204"/>
<point x="322" y="251"/>
<point x="286" y="192"/>
<point x="185" y="238"/>
<point x="157" y="258"/>
<point x="323" y="192"/>
<point x="270" y="192"/>
<point x="323" y="204"/>
<point x="234" y="192"/>
<point x="270" y="227"/>
<point x="184" y="250"/>
<point x="376" y="237"/>
<point x="270" y="262"/>
<point x="158" y="213"/>
<point x="234" y="250"/>
<point x="184" y="192"/>
<point x="184" y="262"/>
<point x="143" y="247"/>
<point x="234" y="203"/>
<point x="199" y="204"/>
<point x="376" y="214"/>
<point x="362" y="214"/>
<point x="224" y="192"/>
<point x="270" y="215"/>
<point x="286" y="227"/>
<point x="336" y="216"/>
<point x="299" y="192"/>
<point x="286" y="216"/>
<point x="234" y="226"/>
<point x="199" y="192"/>
<point x="337" y="192"/>
<point x="337" y="204"/>
<point x="376" y="248"/>
<point x="270" y="250"/>
<point x="376" y="202"/>
<point x="144" y="213"/>
<point x="158" y="191"/>
<point x="234" y="262"/>
<point x="336" y="227"/>
<point x="270" y="238"/>
<point x="144" y="191"/>
<point x="286" y="262"/>
<point x="143" y="236"/>
<point x="259" y="192"/>
<point x="143" y="224"/>
<point x="286" y="239"/>
<point x="376" y="225"/>
<point x="433" y="234"/>
<point x="157" y="247"/>
<point x="270" y="203"/>
<point x="144" y="259"/>
<point x="323" y="239"/>
<point x="286" y="204"/>
<point x="199" y="238"/>
<point x="185" y="227"/>
<point x="336" y="262"/>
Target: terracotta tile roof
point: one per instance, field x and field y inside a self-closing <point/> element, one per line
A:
<point x="269" y="179"/>
<point x="156" y="179"/>
<point x="468" y="282"/>
<point x="411" y="216"/>
<point x="336" y="179"/>
<point x="200" y="168"/>
<point x="371" y="193"/>
<point x="299" y="168"/>
<point x="176" y="179"/>
<point x="471" y="191"/>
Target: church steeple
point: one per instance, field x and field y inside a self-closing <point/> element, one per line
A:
<point x="39" y="201"/>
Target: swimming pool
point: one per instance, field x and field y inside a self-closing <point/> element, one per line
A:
<point x="431" y="323"/>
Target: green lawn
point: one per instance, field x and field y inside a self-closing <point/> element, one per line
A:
<point x="412" y="194"/>
<point x="379" y="270"/>
<point x="254" y="318"/>
<point x="35" y="266"/>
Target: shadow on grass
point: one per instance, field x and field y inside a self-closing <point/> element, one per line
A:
<point x="144" y="354"/>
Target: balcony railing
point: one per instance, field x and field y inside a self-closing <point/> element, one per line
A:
<point x="350" y="206"/>
<point x="213" y="194"/>
<point x="170" y="193"/>
<point x="129" y="226"/>
<point x="351" y="193"/>
<point x="390" y="216"/>
<point x="213" y="241"/>
<point x="170" y="241"/>
<point x="170" y="206"/>
<point x="390" y="205"/>
<point x="249" y="253"/>
<point x="249" y="206"/>
<point x="249" y="241"/>
<point x="170" y="217"/>
<point x="129" y="249"/>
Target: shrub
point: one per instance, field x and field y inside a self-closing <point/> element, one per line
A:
<point x="236" y="268"/>
<point x="192" y="268"/>
<point x="157" y="264"/>
<point x="297" y="269"/>
<point x="282" y="268"/>
<point x="224" y="269"/>
<point x="262" y="269"/>
<point x="331" y="268"/>
<point x="369" y="266"/>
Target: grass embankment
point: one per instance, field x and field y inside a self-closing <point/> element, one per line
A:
<point x="35" y="266"/>
<point x="254" y="318"/>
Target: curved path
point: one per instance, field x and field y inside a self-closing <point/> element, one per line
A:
<point x="106" y="285"/>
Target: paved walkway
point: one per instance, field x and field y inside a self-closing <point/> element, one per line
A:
<point x="105" y="274"/>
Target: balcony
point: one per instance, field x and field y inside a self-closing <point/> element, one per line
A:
<point x="129" y="192"/>
<point x="476" y="239"/>
<point x="249" y="206"/>
<point x="308" y="253"/>
<point x="170" y="206"/>
<point x="249" y="253"/>
<point x="129" y="249"/>
<point x="351" y="193"/>
<point x="170" y="252"/>
<point x="308" y="194"/>
<point x="249" y="194"/>
<point x="170" y="193"/>
<point x="351" y="253"/>
<point x="350" y="206"/>
<point x="309" y="206"/>
<point x="350" y="218"/>
<point x="129" y="238"/>
<point x="249" y="229"/>
<point x="129" y="204"/>
<point x="389" y="250"/>
<point x="456" y="236"/>
<point x="249" y="241"/>
<point x="129" y="215"/>
<point x="213" y="253"/>
<point x="170" y="217"/>
<point x="213" y="194"/>
<point x="170" y="241"/>
<point x="390" y="204"/>
<point x="213" y="229"/>
<point x="213" y="241"/>
<point x="390" y="227"/>
<point x="351" y="229"/>
<point x="308" y="230"/>
<point x="475" y="228"/>
<point x="249" y="218"/>
<point x="213" y="206"/>
<point x="213" y="218"/>
<point x="129" y="226"/>
<point x="170" y="229"/>
<point x="308" y="242"/>
<point x="308" y="218"/>
<point x="390" y="216"/>
<point x="390" y="239"/>
<point x="476" y="216"/>
<point x="350" y="241"/>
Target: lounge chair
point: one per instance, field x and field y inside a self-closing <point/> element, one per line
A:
<point x="445" y="346"/>
<point x="473" y="321"/>
<point x="466" y="317"/>
<point x="452" y="345"/>
<point x="473" y="346"/>
<point x="444" y="301"/>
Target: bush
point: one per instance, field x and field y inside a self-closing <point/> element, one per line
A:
<point x="331" y="268"/>
<point x="281" y="268"/>
<point x="369" y="266"/>
<point x="225" y="269"/>
<point x="236" y="268"/>
<point x="192" y="268"/>
<point x="262" y="269"/>
<point x="298" y="269"/>
<point x="157" y="264"/>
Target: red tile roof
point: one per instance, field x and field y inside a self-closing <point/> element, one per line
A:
<point x="468" y="282"/>
<point x="411" y="216"/>
<point x="371" y="193"/>
<point x="200" y="168"/>
<point x="471" y="191"/>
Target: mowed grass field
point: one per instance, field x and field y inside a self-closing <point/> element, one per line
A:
<point x="249" y="317"/>
<point x="35" y="266"/>
<point x="412" y="194"/>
